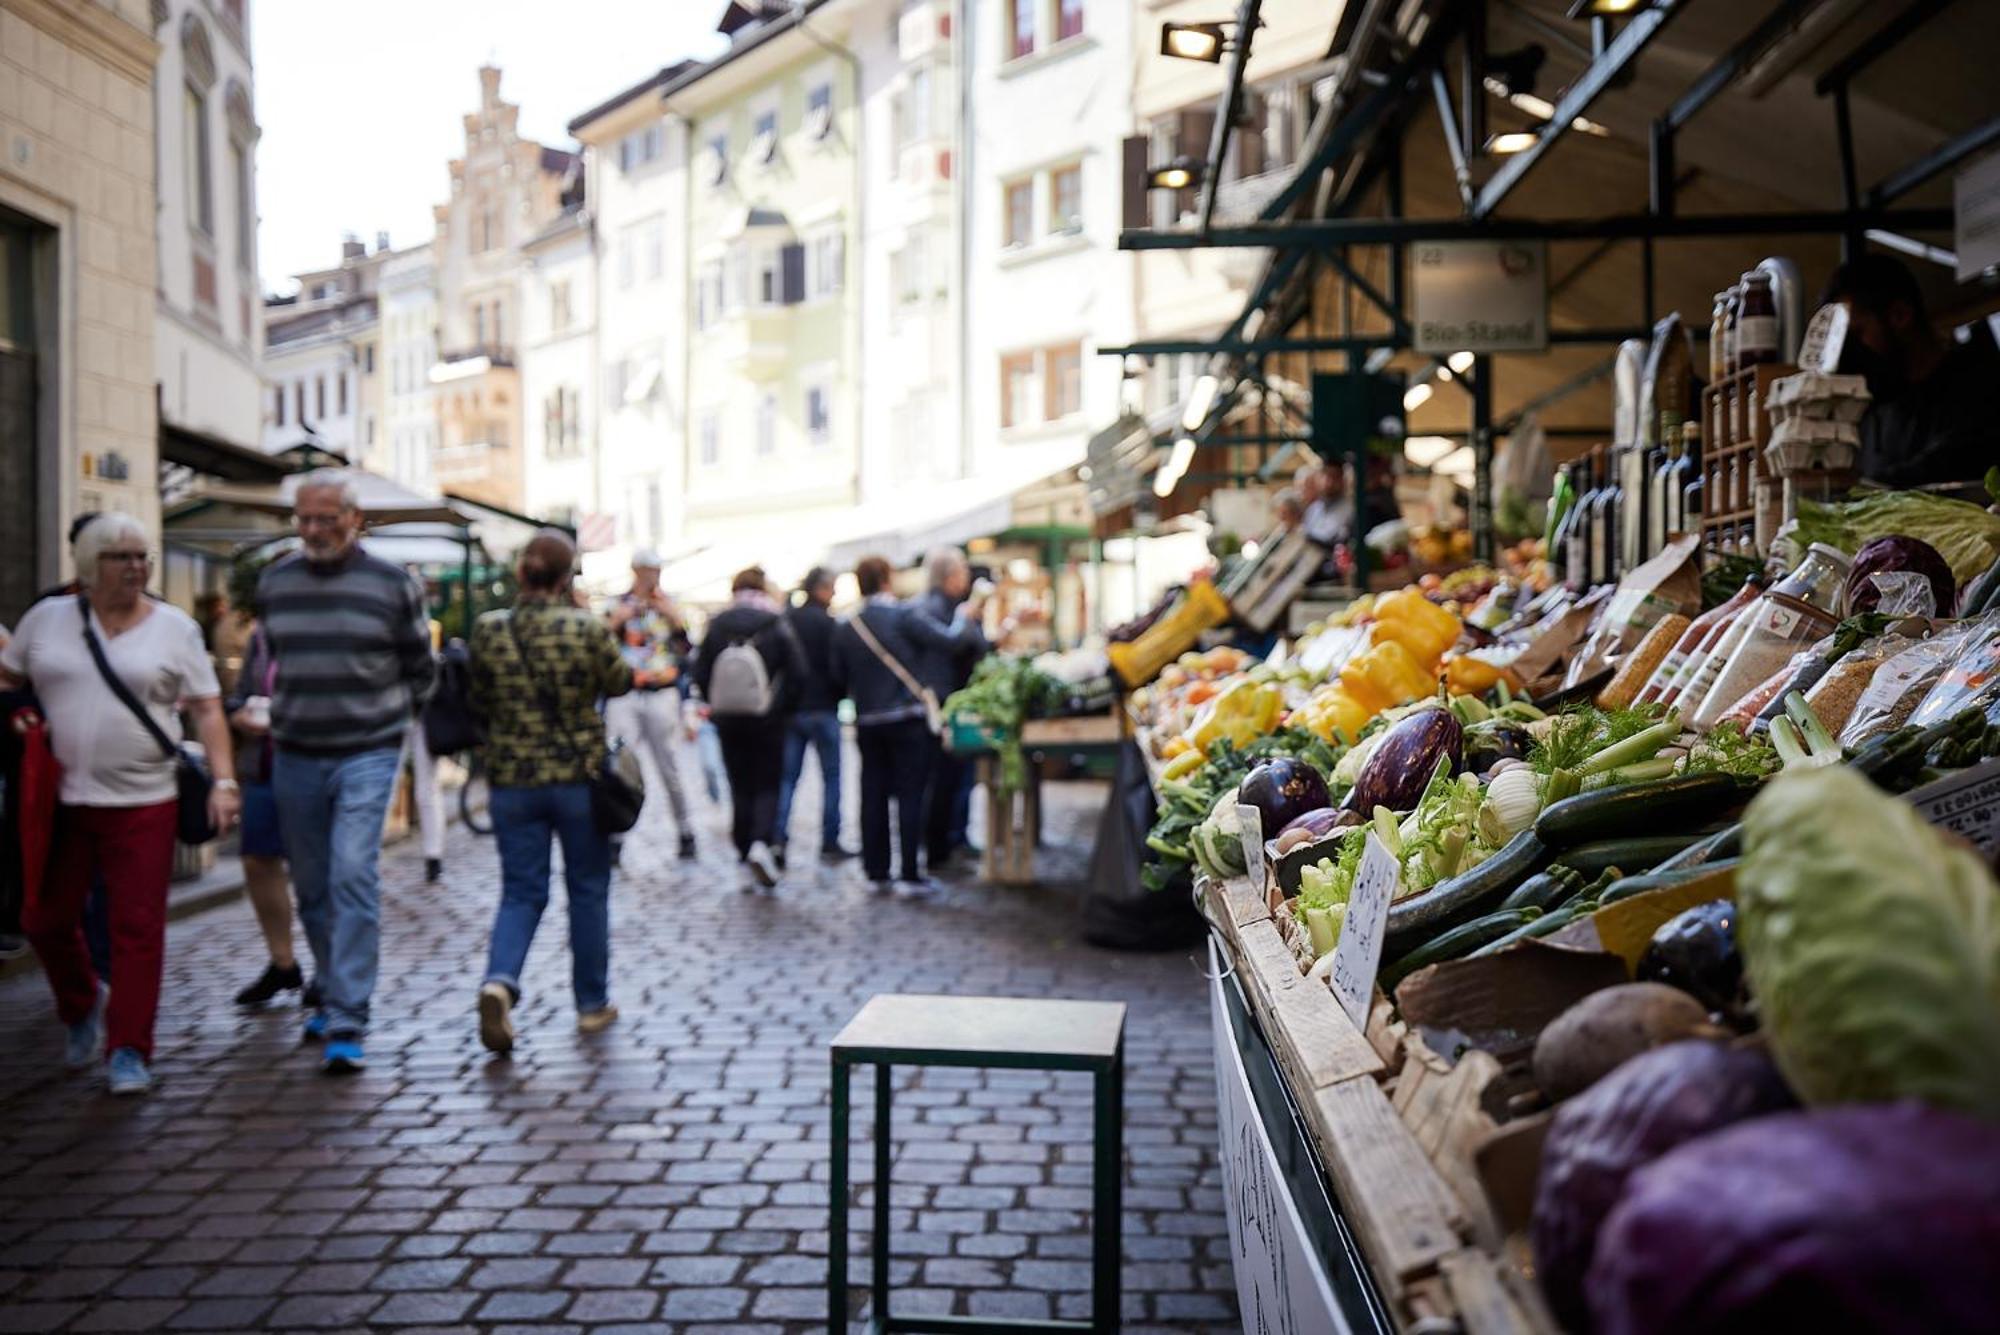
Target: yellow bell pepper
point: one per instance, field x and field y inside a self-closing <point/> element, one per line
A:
<point x="1175" y="746"/>
<point x="1384" y="675"/>
<point x="1332" y="714"/>
<point x="1469" y="674"/>
<point x="1184" y="764"/>
<point x="1408" y="618"/>
<point x="1245" y="711"/>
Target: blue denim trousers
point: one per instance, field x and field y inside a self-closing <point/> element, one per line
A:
<point x="331" y="809"/>
<point x="821" y="731"/>
<point x="525" y="822"/>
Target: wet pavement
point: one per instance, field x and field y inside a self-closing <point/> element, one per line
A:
<point x="668" y="1175"/>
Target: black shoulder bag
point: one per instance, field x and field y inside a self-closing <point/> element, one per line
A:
<point x="191" y="778"/>
<point x="617" y="784"/>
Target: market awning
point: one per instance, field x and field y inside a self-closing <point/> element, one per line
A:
<point x="212" y="456"/>
<point x="902" y="528"/>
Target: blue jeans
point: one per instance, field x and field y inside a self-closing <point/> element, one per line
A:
<point x="821" y="731"/>
<point x="524" y="822"/>
<point x="331" y="810"/>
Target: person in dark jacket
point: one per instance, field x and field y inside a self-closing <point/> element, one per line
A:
<point x="817" y="723"/>
<point x="751" y="699"/>
<point x="946" y="668"/>
<point x="876" y="656"/>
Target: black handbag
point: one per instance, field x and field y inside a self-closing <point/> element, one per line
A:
<point x="192" y="782"/>
<point x="617" y="784"/>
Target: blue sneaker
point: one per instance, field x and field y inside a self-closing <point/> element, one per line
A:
<point x="127" y="1073"/>
<point x="315" y="1030"/>
<point x="343" y="1057"/>
<point x="85" y="1044"/>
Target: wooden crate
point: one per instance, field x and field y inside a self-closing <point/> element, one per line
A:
<point x="1013" y="826"/>
<point x="1106" y="729"/>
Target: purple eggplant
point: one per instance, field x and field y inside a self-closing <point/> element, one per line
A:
<point x="1284" y="789"/>
<point x="1404" y="760"/>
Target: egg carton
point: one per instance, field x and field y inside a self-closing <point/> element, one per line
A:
<point x="1811" y="396"/>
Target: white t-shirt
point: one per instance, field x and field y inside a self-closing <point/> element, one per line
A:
<point x="108" y="758"/>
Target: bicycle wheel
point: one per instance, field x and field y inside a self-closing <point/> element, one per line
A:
<point x="473" y="807"/>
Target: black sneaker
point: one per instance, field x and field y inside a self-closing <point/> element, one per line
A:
<point x="310" y="998"/>
<point x="778" y="852"/>
<point x="433" y="870"/>
<point x="269" y="983"/>
<point x="835" y="853"/>
<point x="687" y="848"/>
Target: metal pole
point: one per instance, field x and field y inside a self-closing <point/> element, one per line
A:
<point x="836" y="1238"/>
<point x="1850" y="181"/>
<point x="880" y="1252"/>
<point x="1482" y="458"/>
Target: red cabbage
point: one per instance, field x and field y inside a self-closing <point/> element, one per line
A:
<point x="1898" y="554"/>
<point x="1868" y="1217"/>
<point x="1649" y="1105"/>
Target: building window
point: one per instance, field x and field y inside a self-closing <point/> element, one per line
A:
<point x="735" y="280"/>
<point x="910" y="110"/>
<point x="718" y="158"/>
<point x="478" y="325"/>
<point x="1020" y="197"/>
<point x="246" y="209"/>
<point x="200" y="183"/>
<point x="278" y="402"/>
<point x="819" y="110"/>
<point x="340" y="394"/>
<point x="627" y="261"/>
<point x="319" y="398"/>
<point x="654" y="238"/>
<point x="559" y="306"/>
<point x="764" y="135"/>
<point x="640" y="147"/>
<point x="368" y="360"/>
<point x="562" y="432"/>
<point x="826" y="265"/>
<point x="819" y="415"/>
<point x="499" y="333"/>
<point x="299" y="401"/>
<point x="1066" y="200"/>
<point x="708" y="295"/>
<point x="770" y="289"/>
<point x="767" y="423"/>
<point x="1069" y="19"/>
<point x="1021" y="27"/>
<point x="1063" y="378"/>
<point x="710" y="435"/>
<point x="1019" y="401"/>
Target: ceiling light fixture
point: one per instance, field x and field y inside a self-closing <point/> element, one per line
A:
<point x="1416" y="396"/>
<point x="1511" y="141"/>
<point x="1461" y="361"/>
<point x="1201" y="398"/>
<point x="1606" y="9"/>
<point x="1195" y="41"/>
<point x="1180" y="174"/>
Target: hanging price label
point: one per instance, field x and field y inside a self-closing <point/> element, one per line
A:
<point x="1359" y="954"/>
<point x="1967" y="804"/>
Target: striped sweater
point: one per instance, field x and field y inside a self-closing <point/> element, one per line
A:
<point x="353" y="648"/>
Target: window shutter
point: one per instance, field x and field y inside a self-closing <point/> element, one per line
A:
<point x="792" y="277"/>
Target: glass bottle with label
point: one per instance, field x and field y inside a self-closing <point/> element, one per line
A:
<point x="1791" y="614"/>
<point x="1577" y="556"/>
<point x="1732" y="308"/>
<point x="1604" y="523"/>
<point x="1718" y="324"/>
<point x="1756" y="324"/>
<point x="1661" y="496"/>
<point x="1684" y="489"/>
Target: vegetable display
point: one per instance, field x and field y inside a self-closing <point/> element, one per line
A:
<point x="1872" y="946"/>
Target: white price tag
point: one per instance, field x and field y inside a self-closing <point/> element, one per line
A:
<point x="1967" y="804"/>
<point x="1359" y="954"/>
<point x="1250" y="821"/>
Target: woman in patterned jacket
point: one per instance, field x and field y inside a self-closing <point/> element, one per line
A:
<point x="539" y="672"/>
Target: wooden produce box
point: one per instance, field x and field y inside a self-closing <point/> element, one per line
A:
<point x="1107" y="729"/>
<point x="1380" y="1127"/>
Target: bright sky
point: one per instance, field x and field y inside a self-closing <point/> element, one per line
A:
<point x="360" y="102"/>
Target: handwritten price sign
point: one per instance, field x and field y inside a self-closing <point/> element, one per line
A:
<point x="1359" y="953"/>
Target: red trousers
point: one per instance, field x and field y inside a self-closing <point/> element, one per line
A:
<point x="133" y="849"/>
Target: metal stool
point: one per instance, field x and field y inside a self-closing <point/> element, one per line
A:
<point x="1011" y="1032"/>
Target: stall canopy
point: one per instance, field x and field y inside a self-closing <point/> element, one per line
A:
<point x="1663" y="151"/>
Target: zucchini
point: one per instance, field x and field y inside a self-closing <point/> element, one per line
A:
<point x="1458" y="941"/>
<point x="1638" y="855"/>
<point x="1544" y="889"/>
<point x="1452" y="901"/>
<point x="1545" y="925"/>
<point x="1684" y="800"/>
<point x="1629" y="886"/>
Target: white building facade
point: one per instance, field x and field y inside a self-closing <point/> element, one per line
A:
<point x="407" y="302"/>
<point x="321" y="357"/>
<point x="559" y="373"/>
<point x="209" y="323"/>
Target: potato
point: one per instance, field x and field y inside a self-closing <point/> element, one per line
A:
<point x="1608" y="1028"/>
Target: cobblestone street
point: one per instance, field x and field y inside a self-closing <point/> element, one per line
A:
<point x="669" y="1174"/>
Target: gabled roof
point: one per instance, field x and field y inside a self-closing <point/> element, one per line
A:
<point x="665" y="75"/>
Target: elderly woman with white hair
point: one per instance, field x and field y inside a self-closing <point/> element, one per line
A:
<point x="116" y="814"/>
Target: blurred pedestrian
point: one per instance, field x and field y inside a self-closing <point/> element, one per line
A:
<point x="538" y="673"/>
<point x="654" y="642"/>
<point x="748" y="672"/>
<point x="261" y="842"/>
<point x="945" y="664"/>
<point x="110" y="666"/>
<point x="876" y="655"/>
<point x="817" y="723"/>
<point x="353" y="648"/>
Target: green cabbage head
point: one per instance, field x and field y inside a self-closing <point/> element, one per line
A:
<point x="1872" y="946"/>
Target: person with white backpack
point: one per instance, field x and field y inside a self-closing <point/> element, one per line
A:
<point x="748" y="671"/>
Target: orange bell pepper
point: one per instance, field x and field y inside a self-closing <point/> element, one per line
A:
<point x="1469" y="674"/>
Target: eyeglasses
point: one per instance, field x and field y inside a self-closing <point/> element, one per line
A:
<point x="319" y="521"/>
<point x="135" y="558"/>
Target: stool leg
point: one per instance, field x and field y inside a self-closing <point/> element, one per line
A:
<point x="1108" y="1213"/>
<point x="881" y="1258"/>
<point x="836" y="1238"/>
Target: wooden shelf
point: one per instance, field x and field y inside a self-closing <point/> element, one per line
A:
<point x="1735" y="427"/>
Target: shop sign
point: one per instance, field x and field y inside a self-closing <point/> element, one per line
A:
<point x="1967" y="804"/>
<point x="1359" y="953"/>
<point x="1480" y="296"/>
<point x="1281" y="1288"/>
<point x="1975" y="207"/>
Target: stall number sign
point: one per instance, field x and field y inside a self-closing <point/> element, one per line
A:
<point x="1481" y="296"/>
<point x="1281" y="1286"/>
<point x="1967" y="804"/>
<point x="1359" y="953"/>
